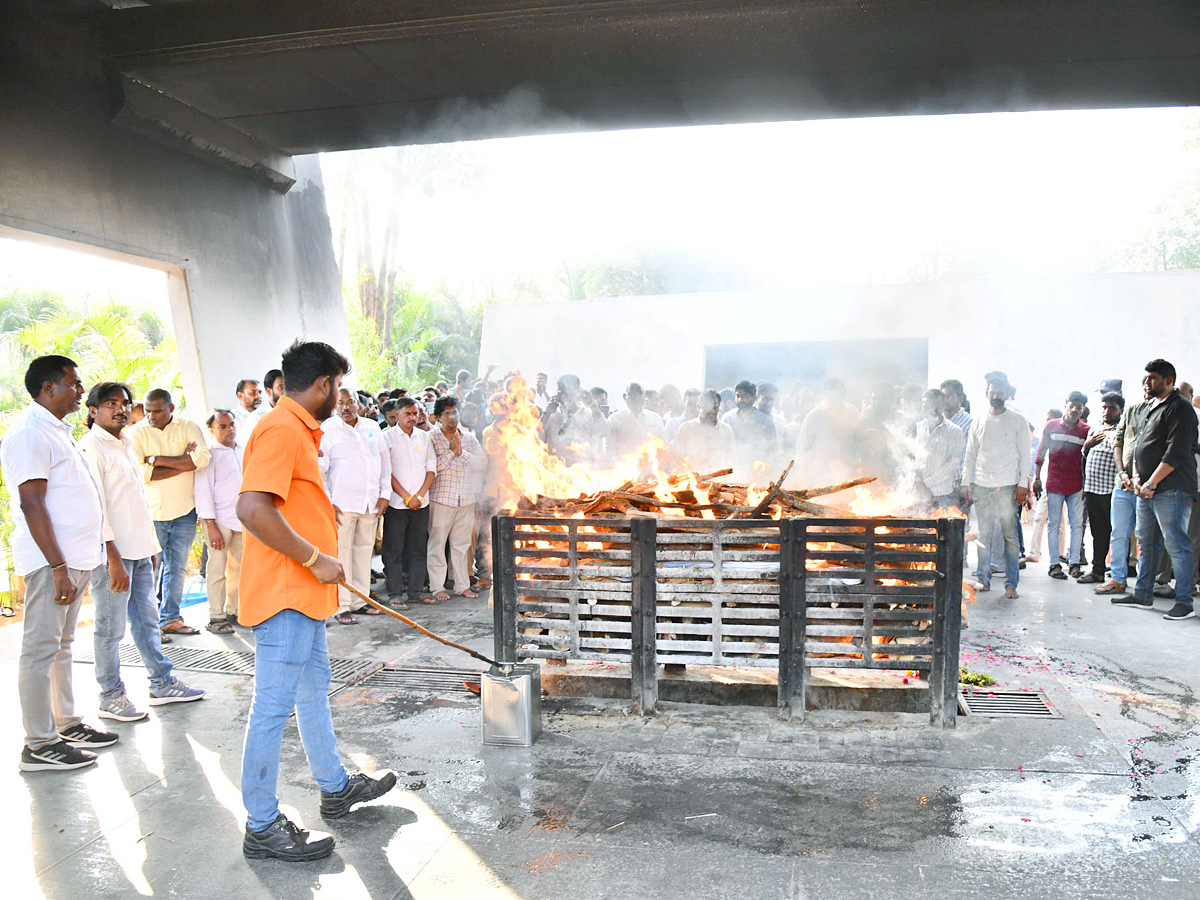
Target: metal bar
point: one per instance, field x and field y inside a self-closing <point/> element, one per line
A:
<point x="643" y="668"/>
<point x="504" y="583"/>
<point x="943" y="676"/>
<point x="792" y="546"/>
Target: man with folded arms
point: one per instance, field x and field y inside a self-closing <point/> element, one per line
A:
<point x="406" y="521"/>
<point x="171" y="450"/>
<point x="123" y="589"/>
<point x="57" y="523"/>
<point x="290" y="574"/>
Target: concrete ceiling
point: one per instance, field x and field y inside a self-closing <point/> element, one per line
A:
<point x="314" y="75"/>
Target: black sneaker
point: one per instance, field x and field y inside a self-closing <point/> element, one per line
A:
<point x="359" y="789"/>
<point x="285" y="840"/>
<point x="1075" y="571"/>
<point x="88" y="738"/>
<point x="1057" y="572"/>
<point x="1179" y="612"/>
<point x="55" y="756"/>
<point x="1130" y="600"/>
<point x="1164" y="590"/>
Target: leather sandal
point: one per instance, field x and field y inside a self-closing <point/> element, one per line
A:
<point x="178" y="627"/>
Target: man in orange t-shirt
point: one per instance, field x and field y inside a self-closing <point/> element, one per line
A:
<point x="290" y="574"/>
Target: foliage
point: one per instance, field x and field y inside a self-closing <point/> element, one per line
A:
<point x="978" y="679"/>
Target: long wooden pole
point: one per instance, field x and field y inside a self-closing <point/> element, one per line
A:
<point x="421" y="628"/>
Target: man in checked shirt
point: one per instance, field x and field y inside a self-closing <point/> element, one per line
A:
<point x="1099" y="479"/>
<point x="452" y="500"/>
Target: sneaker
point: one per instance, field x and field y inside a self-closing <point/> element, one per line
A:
<point x="1075" y="571"/>
<point x="1164" y="590"/>
<point x="1131" y="600"/>
<point x="1179" y="612"/>
<point x="285" y="840"/>
<point x="87" y="737"/>
<point x="55" y="756"/>
<point x="1057" y="572"/>
<point x="121" y="709"/>
<point x="359" y="789"/>
<point x="175" y="692"/>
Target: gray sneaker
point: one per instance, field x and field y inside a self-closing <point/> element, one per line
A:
<point x="1179" y="612"/>
<point x="175" y="692"/>
<point x="121" y="709"/>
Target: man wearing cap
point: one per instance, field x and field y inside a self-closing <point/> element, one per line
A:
<point x="995" y="477"/>
<point x="1061" y="448"/>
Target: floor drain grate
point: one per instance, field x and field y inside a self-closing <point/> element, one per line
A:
<point x="228" y="662"/>
<point x="418" y="679"/>
<point x="1007" y="704"/>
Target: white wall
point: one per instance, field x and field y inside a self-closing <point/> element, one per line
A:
<point x="1051" y="335"/>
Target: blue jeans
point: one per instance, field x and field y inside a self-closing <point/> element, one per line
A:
<point x="137" y="604"/>
<point x="1124" y="511"/>
<point x="175" y="536"/>
<point x="1163" y="521"/>
<point x="1054" y="510"/>
<point x="996" y="510"/>
<point x="291" y="671"/>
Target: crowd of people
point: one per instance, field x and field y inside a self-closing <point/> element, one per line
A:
<point x="298" y="483"/>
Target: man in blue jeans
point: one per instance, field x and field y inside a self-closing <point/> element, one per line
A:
<point x="123" y="588"/>
<point x="170" y="450"/>
<point x="1164" y="481"/>
<point x="290" y="574"/>
<point x="1061" y="448"/>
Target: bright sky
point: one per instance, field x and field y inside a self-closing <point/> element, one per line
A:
<point x="81" y="276"/>
<point x="827" y="202"/>
<point x="798" y="203"/>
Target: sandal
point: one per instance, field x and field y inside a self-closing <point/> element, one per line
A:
<point x="346" y="619"/>
<point x="368" y="611"/>
<point x="219" y="626"/>
<point x="1111" y="587"/>
<point x="178" y="627"/>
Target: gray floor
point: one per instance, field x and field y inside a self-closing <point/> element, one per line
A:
<point x="698" y="802"/>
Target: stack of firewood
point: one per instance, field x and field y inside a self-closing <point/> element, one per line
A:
<point x="725" y="499"/>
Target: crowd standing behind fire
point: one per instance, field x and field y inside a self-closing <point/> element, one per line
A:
<point x="416" y="474"/>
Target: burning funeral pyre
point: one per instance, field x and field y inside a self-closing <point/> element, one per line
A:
<point x="719" y="550"/>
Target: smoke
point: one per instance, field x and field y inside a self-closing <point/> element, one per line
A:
<point x="521" y="111"/>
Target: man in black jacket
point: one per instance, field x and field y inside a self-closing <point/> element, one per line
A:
<point x="1165" y="483"/>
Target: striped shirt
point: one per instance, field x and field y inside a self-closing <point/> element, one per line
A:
<point x="962" y="419"/>
<point x="454" y="484"/>
<point x="944" y="447"/>
<point x="1099" y="467"/>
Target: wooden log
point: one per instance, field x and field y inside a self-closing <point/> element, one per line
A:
<point x="776" y="487"/>
<point x="808" y="493"/>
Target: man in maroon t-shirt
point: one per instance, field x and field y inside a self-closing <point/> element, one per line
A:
<point x="1062" y="446"/>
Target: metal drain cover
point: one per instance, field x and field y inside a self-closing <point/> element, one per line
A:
<point x="229" y="662"/>
<point x="1006" y="704"/>
<point x="421" y="679"/>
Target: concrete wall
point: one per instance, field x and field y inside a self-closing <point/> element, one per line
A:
<point x="258" y="265"/>
<point x="1051" y="335"/>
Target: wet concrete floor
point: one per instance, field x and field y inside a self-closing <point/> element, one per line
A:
<point x="696" y="802"/>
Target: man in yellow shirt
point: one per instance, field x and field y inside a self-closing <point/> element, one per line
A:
<point x="171" y="450"/>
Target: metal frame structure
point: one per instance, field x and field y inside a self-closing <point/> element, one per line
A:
<point x="793" y="593"/>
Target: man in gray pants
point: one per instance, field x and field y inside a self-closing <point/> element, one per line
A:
<point x="58" y="522"/>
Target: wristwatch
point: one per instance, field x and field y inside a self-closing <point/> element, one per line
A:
<point x="151" y="459"/>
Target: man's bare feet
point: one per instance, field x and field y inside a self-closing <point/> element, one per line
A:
<point x="1010" y="593"/>
<point x="978" y="587"/>
<point x="470" y="594"/>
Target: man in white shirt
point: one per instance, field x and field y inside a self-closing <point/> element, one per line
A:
<point x="248" y="409"/>
<point x="358" y="477"/>
<point x="217" y="487"/>
<point x="272" y="386"/>
<point x="56" y="543"/>
<point x="632" y="427"/>
<point x="996" y="478"/>
<point x="706" y="444"/>
<point x="691" y="409"/>
<point x="406" y="521"/>
<point x="541" y="399"/>
<point x="123" y="590"/>
<point x="939" y="469"/>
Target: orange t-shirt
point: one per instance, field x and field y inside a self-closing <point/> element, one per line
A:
<point x="281" y="459"/>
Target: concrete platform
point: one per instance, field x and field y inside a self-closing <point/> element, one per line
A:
<point x="698" y="801"/>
